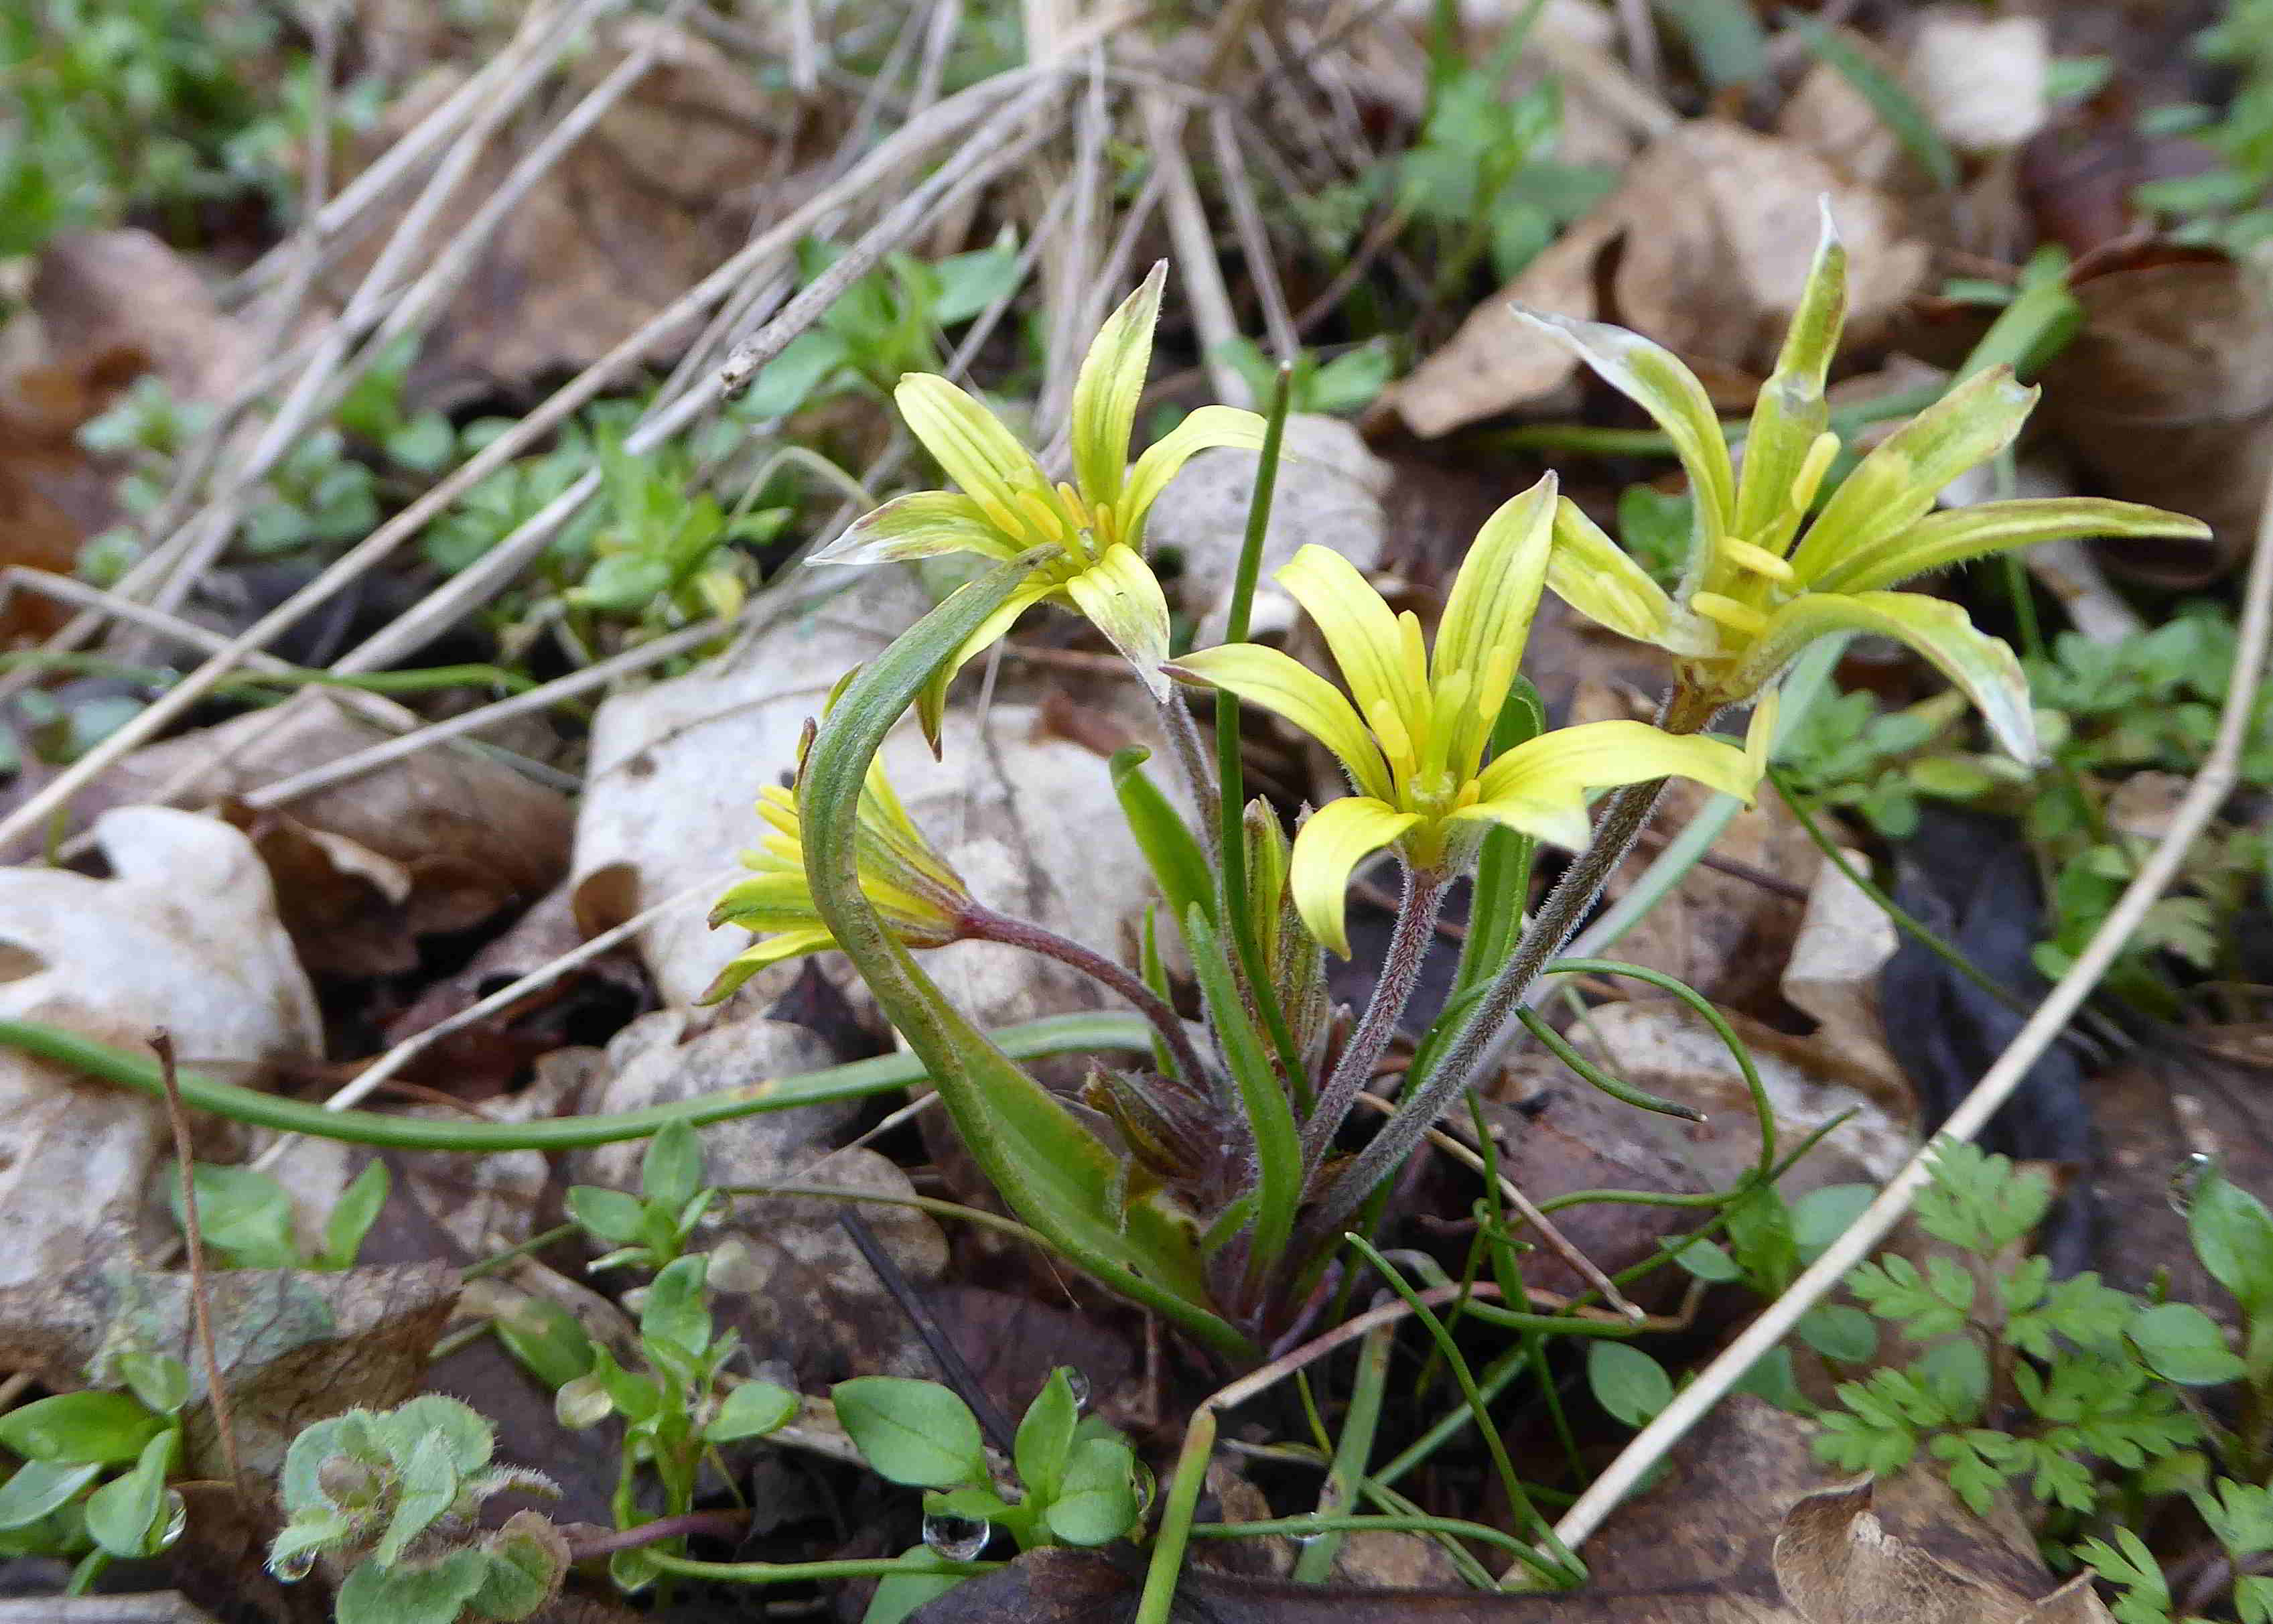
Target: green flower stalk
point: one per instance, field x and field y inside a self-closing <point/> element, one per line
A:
<point x="1762" y="581"/>
<point x="1094" y="524"/>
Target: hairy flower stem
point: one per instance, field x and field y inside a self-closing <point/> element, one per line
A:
<point x="1400" y="972"/>
<point x="1191" y="761"/>
<point x="1623" y="816"/>
<point x="984" y="924"/>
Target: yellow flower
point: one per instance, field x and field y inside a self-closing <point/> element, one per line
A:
<point x="1415" y="739"/>
<point x="1007" y="506"/>
<point x="919" y="895"/>
<point x="1751" y="598"/>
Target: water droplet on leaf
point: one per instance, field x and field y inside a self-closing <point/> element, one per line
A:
<point x="294" y="1566"/>
<point x="1077" y="1385"/>
<point x="958" y="1539"/>
<point x="2185" y="1178"/>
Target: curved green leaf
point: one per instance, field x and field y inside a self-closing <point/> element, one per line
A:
<point x="1053" y="1173"/>
<point x="1180" y="868"/>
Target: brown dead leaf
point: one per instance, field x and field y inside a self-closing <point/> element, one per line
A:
<point x="435" y="843"/>
<point x="1737" y="1530"/>
<point x="101" y="292"/>
<point x="648" y="203"/>
<point x="294" y="1346"/>
<point x="1715" y="225"/>
<point x="183" y="936"/>
<point x="2166" y="395"/>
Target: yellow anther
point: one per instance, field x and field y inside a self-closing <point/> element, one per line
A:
<point x="1739" y="618"/>
<point x="1816" y="464"/>
<point x="1389" y="729"/>
<point x="1759" y="560"/>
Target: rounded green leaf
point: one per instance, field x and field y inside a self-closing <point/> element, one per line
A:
<point x="76" y="1427"/>
<point x="1045" y="1435"/>
<point x="2180" y="1343"/>
<point x="2233" y="1236"/>
<point x="1097" y="1502"/>
<point x="915" y="1432"/>
<point x="1839" y="1331"/>
<point x="1627" y="1382"/>
<point x="38" y="1488"/>
<point x="609" y="1214"/>
<point x="752" y="1410"/>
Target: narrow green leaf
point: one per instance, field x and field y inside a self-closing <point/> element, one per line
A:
<point x="1179" y="867"/>
<point x="353" y="1215"/>
<point x="1888" y="98"/>
<point x="1270" y="1117"/>
<point x="1050" y="1168"/>
<point x="671" y="1171"/>
<point x="1724" y="37"/>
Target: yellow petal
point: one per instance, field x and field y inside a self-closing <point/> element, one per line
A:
<point x="772" y="950"/>
<point x="1599" y="579"/>
<point x="1286" y="688"/>
<point x="1209" y="426"/>
<point x="1982" y="665"/>
<point x="923" y="525"/>
<point x="931" y="704"/>
<point x="1894" y="486"/>
<point x="1789" y="414"/>
<point x="1654" y="378"/>
<point x="1497" y="591"/>
<point x="1336" y="838"/>
<point x="966" y="439"/>
<point x="1121" y="598"/>
<point x="1561" y="819"/>
<point x="1940" y="539"/>
<point x="1359" y="629"/>
<point x="1600" y="754"/>
<point x="1105" y="393"/>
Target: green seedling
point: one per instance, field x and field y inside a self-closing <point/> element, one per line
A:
<point x="245" y="1219"/>
<point x="94" y="1468"/>
<point x="1080" y="1482"/>
<point x="393" y="1498"/>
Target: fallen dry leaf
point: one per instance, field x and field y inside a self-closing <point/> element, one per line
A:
<point x="1715" y="225"/>
<point x="183" y="936"/>
<point x="438" y="842"/>
<point x="1980" y="79"/>
<point x="293" y="1345"/>
<point x="2166" y="396"/>
<point x="1844" y="940"/>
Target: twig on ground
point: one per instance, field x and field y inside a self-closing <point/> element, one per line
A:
<point x="201" y="1309"/>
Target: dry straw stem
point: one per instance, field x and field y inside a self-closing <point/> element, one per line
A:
<point x="515" y="71"/>
<point x="947" y="120"/>
<point x="2211" y="786"/>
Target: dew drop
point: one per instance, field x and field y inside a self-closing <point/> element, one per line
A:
<point x="2185" y="1178"/>
<point x="294" y="1566"/>
<point x="958" y="1539"/>
<point x="177" y="1520"/>
<point x="1077" y="1385"/>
